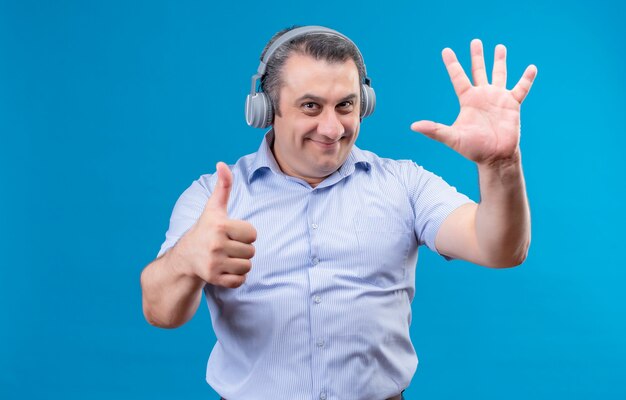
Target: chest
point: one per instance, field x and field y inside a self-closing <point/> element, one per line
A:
<point x="350" y="230"/>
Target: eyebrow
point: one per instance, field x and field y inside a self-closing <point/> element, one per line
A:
<point x="308" y="96"/>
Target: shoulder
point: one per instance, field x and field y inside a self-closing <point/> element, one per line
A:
<point x="241" y="169"/>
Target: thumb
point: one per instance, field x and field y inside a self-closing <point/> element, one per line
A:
<point x="439" y="132"/>
<point x="221" y="193"/>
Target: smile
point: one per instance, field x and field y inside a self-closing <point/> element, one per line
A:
<point x="325" y="145"/>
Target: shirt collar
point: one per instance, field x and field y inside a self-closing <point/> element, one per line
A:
<point x="264" y="160"/>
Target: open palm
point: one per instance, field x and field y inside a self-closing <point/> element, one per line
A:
<point x="487" y="128"/>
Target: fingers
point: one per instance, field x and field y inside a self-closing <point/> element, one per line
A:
<point x="237" y="249"/>
<point x="221" y="192"/>
<point x="230" y="263"/>
<point x="235" y="254"/>
<point x="233" y="272"/>
<point x="479" y="72"/>
<point x="241" y="231"/>
<point x="499" y="67"/>
<point x="460" y="81"/>
<point x="236" y="266"/>
<point x="231" y="281"/>
<point x="440" y="132"/>
<point x="522" y="88"/>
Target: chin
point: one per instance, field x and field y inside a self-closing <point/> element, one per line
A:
<point x="328" y="168"/>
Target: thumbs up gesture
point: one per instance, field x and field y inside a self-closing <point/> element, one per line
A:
<point x="218" y="249"/>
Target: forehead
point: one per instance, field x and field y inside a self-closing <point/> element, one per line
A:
<point x="303" y="73"/>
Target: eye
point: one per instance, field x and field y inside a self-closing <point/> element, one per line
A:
<point x="346" y="106"/>
<point x="310" y="106"/>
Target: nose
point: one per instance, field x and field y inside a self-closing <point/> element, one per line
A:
<point x="330" y="125"/>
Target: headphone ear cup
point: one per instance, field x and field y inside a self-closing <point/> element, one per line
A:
<point x="368" y="100"/>
<point x="259" y="110"/>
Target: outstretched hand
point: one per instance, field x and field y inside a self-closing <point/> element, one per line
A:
<point x="487" y="128"/>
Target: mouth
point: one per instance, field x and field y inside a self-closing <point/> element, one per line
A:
<point x="325" y="145"/>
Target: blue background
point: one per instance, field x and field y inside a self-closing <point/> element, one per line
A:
<point x="109" y="110"/>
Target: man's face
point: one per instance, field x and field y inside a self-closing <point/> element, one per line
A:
<point x="319" y="121"/>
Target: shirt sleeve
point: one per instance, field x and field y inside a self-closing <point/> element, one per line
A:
<point x="432" y="199"/>
<point x="187" y="210"/>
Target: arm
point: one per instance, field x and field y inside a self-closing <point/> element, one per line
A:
<point x="216" y="250"/>
<point x="170" y="296"/>
<point x="495" y="232"/>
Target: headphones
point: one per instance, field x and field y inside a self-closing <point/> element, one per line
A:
<point x="259" y="110"/>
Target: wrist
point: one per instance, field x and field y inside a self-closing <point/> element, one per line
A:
<point x="501" y="168"/>
<point x="177" y="261"/>
<point x="514" y="159"/>
<point x="501" y="179"/>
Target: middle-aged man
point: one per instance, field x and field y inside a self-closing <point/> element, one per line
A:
<point x="306" y="249"/>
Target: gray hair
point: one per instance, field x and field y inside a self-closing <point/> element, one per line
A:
<point x="320" y="46"/>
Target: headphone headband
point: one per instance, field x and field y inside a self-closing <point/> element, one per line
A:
<point x="303" y="30"/>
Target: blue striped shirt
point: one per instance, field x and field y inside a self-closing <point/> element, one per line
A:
<point x="325" y="311"/>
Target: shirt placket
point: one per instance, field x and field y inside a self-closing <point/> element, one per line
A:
<point x="318" y="340"/>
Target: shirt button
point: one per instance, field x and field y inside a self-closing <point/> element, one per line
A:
<point x="317" y="299"/>
<point x="320" y="343"/>
<point x="323" y="396"/>
<point x="315" y="261"/>
<point x="314" y="226"/>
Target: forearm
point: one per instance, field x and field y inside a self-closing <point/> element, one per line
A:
<point x="170" y="295"/>
<point x="503" y="215"/>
